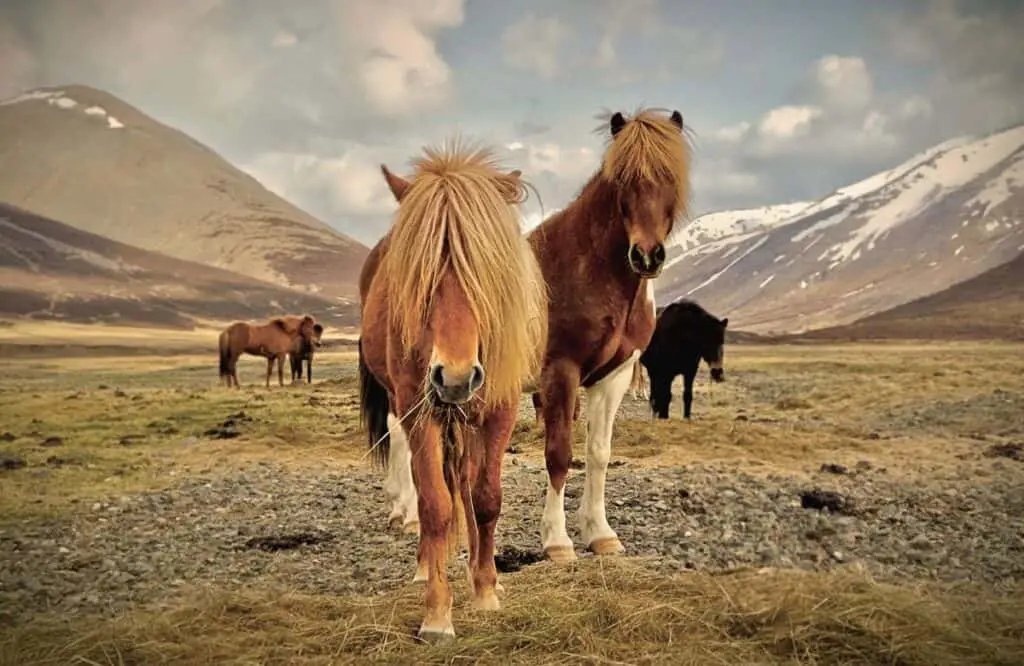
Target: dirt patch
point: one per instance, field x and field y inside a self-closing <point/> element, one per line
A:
<point x="997" y="413"/>
<point x="275" y="543"/>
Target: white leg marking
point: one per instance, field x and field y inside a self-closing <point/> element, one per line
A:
<point x="603" y="400"/>
<point x="552" y="523"/>
<point x="399" y="484"/>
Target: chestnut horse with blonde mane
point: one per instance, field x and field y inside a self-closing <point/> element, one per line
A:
<point x="600" y="256"/>
<point x="454" y="317"/>
<point x="273" y="341"/>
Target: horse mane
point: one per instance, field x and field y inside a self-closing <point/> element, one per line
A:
<point x="649" y="148"/>
<point x="280" y="323"/>
<point x="456" y="215"/>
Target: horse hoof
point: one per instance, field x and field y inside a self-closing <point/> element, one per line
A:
<point x="438" y="636"/>
<point x="395" y="522"/>
<point x="498" y="587"/>
<point x="560" y="554"/>
<point x="487" y="601"/>
<point x="609" y="546"/>
<point x="412" y="527"/>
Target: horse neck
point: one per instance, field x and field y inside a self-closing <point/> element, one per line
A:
<point x="599" y="229"/>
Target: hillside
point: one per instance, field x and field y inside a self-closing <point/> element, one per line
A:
<point x="946" y="215"/>
<point x="49" y="270"/>
<point x="988" y="306"/>
<point x="86" y="158"/>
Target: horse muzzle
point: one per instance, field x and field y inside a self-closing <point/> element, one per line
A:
<point x="717" y="374"/>
<point x="451" y="389"/>
<point x="646" y="264"/>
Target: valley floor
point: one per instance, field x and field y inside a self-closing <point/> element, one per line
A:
<point x="150" y="516"/>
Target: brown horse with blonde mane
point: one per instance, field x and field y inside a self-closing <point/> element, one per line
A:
<point x="273" y="341"/>
<point x="599" y="257"/>
<point x="454" y="317"/>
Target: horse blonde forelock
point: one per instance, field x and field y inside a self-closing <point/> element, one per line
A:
<point x="460" y="214"/>
<point x="649" y="148"/>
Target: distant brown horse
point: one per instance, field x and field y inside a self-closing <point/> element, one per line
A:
<point x="454" y="315"/>
<point x="639" y="383"/>
<point x="600" y="256"/>
<point x="273" y="341"/>
<point x="303" y="351"/>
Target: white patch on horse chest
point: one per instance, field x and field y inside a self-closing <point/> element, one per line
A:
<point x="650" y="296"/>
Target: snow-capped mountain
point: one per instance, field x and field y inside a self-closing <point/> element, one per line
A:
<point x="942" y="217"/>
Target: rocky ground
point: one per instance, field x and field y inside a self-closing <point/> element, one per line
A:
<point x="245" y="522"/>
<point x="326" y="533"/>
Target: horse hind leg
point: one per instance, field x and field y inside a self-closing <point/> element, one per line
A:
<point x="603" y="401"/>
<point x="399" y="484"/>
<point x="559" y="400"/>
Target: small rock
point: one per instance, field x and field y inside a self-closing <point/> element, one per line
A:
<point x="8" y="462"/>
<point x="52" y="441"/>
<point x="822" y="499"/>
<point x="8" y="437"/>
<point x="833" y="468"/>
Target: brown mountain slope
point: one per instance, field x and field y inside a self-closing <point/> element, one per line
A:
<point x="86" y="158"/>
<point x="49" y="270"/>
<point x="988" y="306"/>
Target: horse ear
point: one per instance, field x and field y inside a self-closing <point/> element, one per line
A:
<point x="512" y="186"/>
<point x="677" y="118"/>
<point x="396" y="184"/>
<point x="725" y="322"/>
<point x="617" y="123"/>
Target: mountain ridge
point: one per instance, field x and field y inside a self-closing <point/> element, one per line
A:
<point x="938" y="218"/>
<point x="89" y="159"/>
<point x="53" y="271"/>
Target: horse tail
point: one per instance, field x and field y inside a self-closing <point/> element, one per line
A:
<point x="224" y="347"/>
<point x="455" y="459"/>
<point x="373" y="411"/>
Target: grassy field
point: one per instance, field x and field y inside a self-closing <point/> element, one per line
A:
<point x="81" y="429"/>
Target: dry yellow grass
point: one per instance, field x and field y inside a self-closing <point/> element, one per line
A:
<point x="594" y="612"/>
<point x="799" y="405"/>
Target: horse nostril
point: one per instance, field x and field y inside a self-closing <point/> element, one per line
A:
<point x="658" y="254"/>
<point x="477" y="380"/>
<point x="437" y="376"/>
<point x="637" y="257"/>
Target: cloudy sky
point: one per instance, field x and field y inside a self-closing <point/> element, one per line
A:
<point x="788" y="99"/>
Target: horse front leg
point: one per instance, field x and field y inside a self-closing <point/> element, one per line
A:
<point x="492" y="441"/>
<point x="603" y="400"/>
<point x="280" y="370"/>
<point x="270" y="369"/>
<point x="559" y="383"/>
<point x="436" y="515"/>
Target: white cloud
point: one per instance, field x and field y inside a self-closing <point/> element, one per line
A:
<point x="571" y="163"/>
<point x="788" y="122"/>
<point x="350" y="185"/>
<point x="536" y="44"/>
<point x="843" y="83"/>
<point x="284" y="39"/>
<point x="393" y="43"/>
<point x="974" y="52"/>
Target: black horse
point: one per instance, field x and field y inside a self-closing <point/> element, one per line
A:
<point x="304" y="352"/>
<point x="685" y="334"/>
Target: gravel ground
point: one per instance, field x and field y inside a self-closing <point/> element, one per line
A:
<point x="326" y="533"/>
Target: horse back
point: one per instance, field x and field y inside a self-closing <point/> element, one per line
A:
<point x="371" y="264"/>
